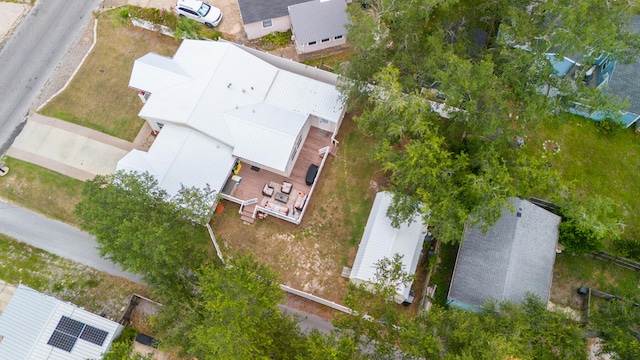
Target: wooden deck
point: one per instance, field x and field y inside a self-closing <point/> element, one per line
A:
<point x="253" y="181"/>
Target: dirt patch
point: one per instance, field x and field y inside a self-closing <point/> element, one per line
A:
<point x="310" y="256"/>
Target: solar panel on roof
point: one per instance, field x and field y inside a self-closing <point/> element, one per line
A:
<point x="62" y="341"/>
<point x="94" y="335"/>
<point x="70" y="326"/>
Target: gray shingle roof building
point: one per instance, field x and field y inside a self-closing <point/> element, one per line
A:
<point x="625" y="81"/>
<point x="514" y="257"/>
<point x="316" y="20"/>
<point x="257" y="10"/>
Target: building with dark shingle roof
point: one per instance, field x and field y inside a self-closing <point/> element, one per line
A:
<point x="262" y="17"/>
<point x="625" y="83"/>
<point x="513" y="258"/>
<point x="319" y="24"/>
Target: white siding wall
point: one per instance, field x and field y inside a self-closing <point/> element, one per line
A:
<point x="306" y="48"/>
<point x="255" y="30"/>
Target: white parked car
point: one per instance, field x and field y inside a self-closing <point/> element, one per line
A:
<point x="199" y="11"/>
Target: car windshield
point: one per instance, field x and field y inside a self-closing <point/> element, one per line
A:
<point x="204" y="9"/>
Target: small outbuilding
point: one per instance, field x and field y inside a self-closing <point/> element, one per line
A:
<point x="37" y="326"/>
<point x="319" y="24"/>
<point x="381" y="240"/>
<point x="513" y="258"/>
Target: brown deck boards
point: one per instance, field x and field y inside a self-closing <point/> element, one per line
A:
<point x="253" y="181"/>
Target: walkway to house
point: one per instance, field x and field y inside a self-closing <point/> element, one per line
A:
<point x="69" y="149"/>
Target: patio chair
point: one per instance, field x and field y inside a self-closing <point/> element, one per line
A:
<point x="286" y="187"/>
<point x="267" y="190"/>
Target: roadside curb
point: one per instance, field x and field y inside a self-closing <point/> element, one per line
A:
<point x="84" y="58"/>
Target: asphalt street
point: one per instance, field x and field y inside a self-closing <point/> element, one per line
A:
<point x="32" y="53"/>
<point x="56" y="237"/>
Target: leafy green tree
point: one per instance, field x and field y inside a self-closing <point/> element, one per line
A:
<point x="234" y="314"/>
<point x="462" y="169"/>
<point x="586" y="228"/>
<point x="139" y="226"/>
<point x="497" y="331"/>
<point x="618" y="324"/>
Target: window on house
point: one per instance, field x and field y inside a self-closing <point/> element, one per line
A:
<point x="338" y="37"/>
<point x="267" y="23"/>
<point x="312" y="43"/>
<point x="325" y="40"/>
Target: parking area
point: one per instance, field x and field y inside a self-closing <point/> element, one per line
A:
<point x="231" y="24"/>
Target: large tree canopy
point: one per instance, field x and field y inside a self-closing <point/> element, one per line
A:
<point x="408" y="54"/>
<point x="139" y="226"/>
<point x="232" y="315"/>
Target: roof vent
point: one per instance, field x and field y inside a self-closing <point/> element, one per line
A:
<point x="228" y="86"/>
<point x="252" y="88"/>
<point x="243" y="90"/>
<point x="519" y="214"/>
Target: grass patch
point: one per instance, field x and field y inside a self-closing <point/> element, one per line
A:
<point x="331" y="62"/>
<point x="275" y="40"/>
<point x="571" y="272"/>
<point x="443" y="274"/>
<point x="66" y="280"/>
<point x="310" y="256"/>
<point x="42" y="190"/>
<point x="99" y="96"/>
<point x="598" y="163"/>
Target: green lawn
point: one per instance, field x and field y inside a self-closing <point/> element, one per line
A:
<point x="598" y="163"/>
<point x="42" y="190"/>
<point x="571" y="272"/>
<point x="67" y="280"/>
<point x="99" y="96"/>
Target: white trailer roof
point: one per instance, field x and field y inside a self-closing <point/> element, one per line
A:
<point x="381" y="240"/>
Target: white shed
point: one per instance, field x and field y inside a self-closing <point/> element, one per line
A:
<point x="381" y="240"/>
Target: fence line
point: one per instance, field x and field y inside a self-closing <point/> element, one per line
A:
<point x="620" y="261"/>
<point x="317" y="299"/>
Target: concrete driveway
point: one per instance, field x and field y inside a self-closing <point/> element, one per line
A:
<point x="69" y="149"/>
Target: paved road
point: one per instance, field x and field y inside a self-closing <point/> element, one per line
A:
<point x="308" y="322"/>
<point x="31" y="54"/>
<point x="55" y="237"/>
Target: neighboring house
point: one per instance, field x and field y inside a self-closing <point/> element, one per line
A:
<point x="620" y="80"/>
<point x="216" y="106"/>
<point x="319" y="24"/>
<point x="381" y="240"/>
<point x="37" y="326"/>
<point x="261" y="17"/>
<point x="625" y="84"/>
<point x="514" y="257"/>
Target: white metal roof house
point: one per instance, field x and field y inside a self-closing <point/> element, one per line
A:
<point x="215" y="104"/>
<point x="319" y="24"/>
<point x="381" y="240"/>
<point x="514" y="257"/>
<point x="37" y="326"/>
<point x="261" y="17"/>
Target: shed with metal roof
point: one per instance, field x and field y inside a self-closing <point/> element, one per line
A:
<point x="381" y="240"/>
<point x="319" y="24"/>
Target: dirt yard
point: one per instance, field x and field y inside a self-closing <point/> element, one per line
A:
<point x="310" y="257"/>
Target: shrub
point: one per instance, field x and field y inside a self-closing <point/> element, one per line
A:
<point x="608" y="126"/>
<point x="276" y="40"/>
<point x="628" y="248"/>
